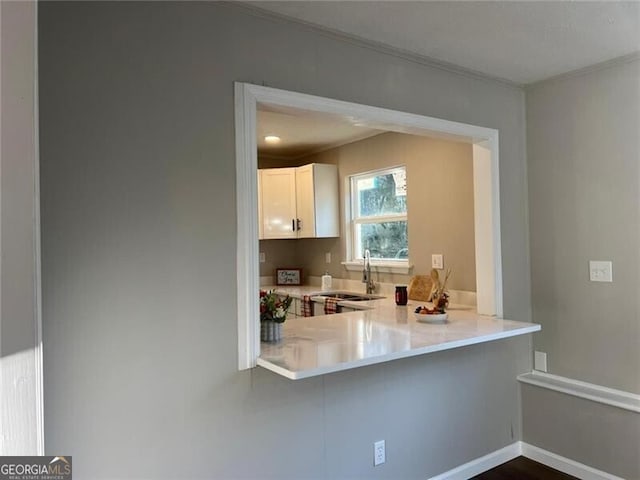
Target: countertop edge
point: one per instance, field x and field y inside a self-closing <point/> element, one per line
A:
<point x="338" y="367"/>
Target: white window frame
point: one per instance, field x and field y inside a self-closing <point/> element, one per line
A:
<point x="354" y="256"/>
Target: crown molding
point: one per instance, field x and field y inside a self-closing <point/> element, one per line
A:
<point x="372" y="45"/>
<point x="630" y="58"/>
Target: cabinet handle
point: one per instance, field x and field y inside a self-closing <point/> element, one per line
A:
<point x="299" y="223"/>
<point x="293" y="224"/>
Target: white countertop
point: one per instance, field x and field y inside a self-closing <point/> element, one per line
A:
<point x="318" y="345"/>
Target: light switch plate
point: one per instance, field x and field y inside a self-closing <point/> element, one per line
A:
<point x="600" y="271"/>
<point x="437" y="261"/>
<point x="379" y="454"/>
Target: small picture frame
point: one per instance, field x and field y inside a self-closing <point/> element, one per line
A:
<point x="288" y="276"/>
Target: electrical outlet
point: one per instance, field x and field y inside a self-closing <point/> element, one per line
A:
<point x="540" y="361"/>
<point x="437" y="261"/>
<point x="327" y="257"/>
<point x="263" y="257"/>
<point x="379" y="454"/>
<point x="600" y="271"/>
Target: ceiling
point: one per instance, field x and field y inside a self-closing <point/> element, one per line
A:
<point x="521" y="42"/>
<point x="303" y="132"/>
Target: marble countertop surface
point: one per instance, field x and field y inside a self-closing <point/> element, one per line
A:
<point x="382" y="332"/>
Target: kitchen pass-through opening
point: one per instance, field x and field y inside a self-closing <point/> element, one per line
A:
<point x="249" y="98"/>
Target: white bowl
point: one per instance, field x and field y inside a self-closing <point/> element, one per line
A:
<point x="431" y="317"/>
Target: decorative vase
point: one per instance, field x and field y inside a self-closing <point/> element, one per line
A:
<point x="270" y="331"/>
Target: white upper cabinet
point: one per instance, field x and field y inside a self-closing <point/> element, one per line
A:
<point x="317" y="201"/>
<point x="277" y="204"/>
<point x="299" y="202"/>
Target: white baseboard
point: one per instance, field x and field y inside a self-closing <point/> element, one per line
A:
<point x="564" y="464"/>
<point x="487" y="462"/>
<point x="482" y="464"/>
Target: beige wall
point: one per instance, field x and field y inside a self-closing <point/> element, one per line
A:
<point x="278" y="254"/>
<point x="271" y="162"/>
<point x="439" y="205"/>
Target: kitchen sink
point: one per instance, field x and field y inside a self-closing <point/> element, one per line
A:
<point x="351" y="297"/>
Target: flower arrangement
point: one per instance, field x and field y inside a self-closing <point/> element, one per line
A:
<point x="273" y="307"/>
<point x="439" y="295"/>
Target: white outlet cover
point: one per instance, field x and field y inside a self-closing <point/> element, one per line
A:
<point x="600" y="271"/>
<point x="437" y="261"/>
<point x="263" y="257"/>
<point x="540" y="361"/>
<point x="327" y="257"/>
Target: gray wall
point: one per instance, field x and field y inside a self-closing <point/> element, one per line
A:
<point x="137" y="168"/>
<point x="601" y="436"/>
<point x="20" y="420"/>
<point x="584" y="174"/>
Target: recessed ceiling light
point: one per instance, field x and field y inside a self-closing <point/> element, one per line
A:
<point x="272" y="139"/>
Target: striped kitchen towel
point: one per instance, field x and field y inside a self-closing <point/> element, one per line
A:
<point x="331" y="306"/>
<point x="307" y="306"/>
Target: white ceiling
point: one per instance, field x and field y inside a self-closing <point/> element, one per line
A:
<point x="303" y="133"/>
<point x="519" y="41"/>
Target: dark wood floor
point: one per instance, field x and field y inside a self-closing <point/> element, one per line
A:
<point x="522" y="468"/>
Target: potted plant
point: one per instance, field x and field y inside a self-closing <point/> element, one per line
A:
<point x="273" y="313"/>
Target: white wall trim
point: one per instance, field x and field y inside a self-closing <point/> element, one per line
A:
<point x="248" y="96"/>
<point x="21" y="376"/>
<point x="37" y="252"/>
<point x="596" y="393"/>
<point x="516" y="449"/>
<point x="486" y="206"/>
<point x="482" y="464"/>
<point x="563" y="464"/>
<point x="247" y="228"/>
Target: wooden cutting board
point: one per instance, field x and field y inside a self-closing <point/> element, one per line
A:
<point x="420" y="288"/>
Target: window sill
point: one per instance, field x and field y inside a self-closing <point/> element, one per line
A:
<point x="381" y="267"/>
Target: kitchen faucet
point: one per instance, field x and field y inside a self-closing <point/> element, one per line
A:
<point x="366" y="273"/>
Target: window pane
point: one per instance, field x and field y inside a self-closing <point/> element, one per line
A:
<point x="383" y="194"/>
<point x="384" y="240"/>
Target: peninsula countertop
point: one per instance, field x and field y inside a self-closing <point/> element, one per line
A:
<point x="380" y="332"/>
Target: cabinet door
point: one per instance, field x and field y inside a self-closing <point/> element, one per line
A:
<point x="318" y="308"/>
<point x="305" y="201"/>
<point x="278" y="200"/>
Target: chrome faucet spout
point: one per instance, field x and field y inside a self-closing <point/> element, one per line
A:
<point x="366" y="272"/>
